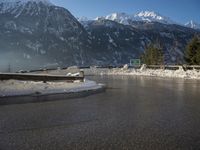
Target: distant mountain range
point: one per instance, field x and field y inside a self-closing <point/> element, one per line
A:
<point x="145" y="16"/>
<point x="37" y="34"/>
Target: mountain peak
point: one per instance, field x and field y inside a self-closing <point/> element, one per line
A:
<point x="150" y="16"/>
<point x="119" y="17"/>
<point x="116" y="15"/>
<point x="192" y="24"/>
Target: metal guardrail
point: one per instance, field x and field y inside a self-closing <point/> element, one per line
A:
<point x="191" y="67"/>
<point x="169" y="67"/>
<point x="39" y="77"/>
<point x="174" y="67"/>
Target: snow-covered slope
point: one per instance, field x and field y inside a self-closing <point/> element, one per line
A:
<point x="82" y="19"/>
<point x="193" y="25"/>
<point x="22" y="88"/>
<point x="151" y="16"/>
<point x="17" y="6"/>
<point x="122" y="18"/>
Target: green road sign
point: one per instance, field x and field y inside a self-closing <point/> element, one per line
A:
<point x="135" y="62"/>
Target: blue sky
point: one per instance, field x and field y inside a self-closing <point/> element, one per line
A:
<point x="178" y="10"/>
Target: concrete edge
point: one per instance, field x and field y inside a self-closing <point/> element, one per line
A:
<point x="33" y="98"/>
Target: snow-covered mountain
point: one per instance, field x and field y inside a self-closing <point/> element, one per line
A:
<point x="193" y="25"/>
<point x="122" y="18"/>
<point x="145" y="16"/>
<point x="36" y="33"/>
<point x="151" y="16"/>
<point x="82" y="19"/>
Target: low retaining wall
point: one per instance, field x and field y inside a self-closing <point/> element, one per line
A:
<point x="40" y="77"/>
<point x="36" y="98"/>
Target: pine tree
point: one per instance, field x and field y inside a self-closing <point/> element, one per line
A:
<point x="153" y="55"/>
<point x="192" y="52"/>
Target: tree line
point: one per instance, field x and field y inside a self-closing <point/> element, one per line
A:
<point x="154" y="54"/>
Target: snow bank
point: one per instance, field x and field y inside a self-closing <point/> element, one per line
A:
<point x="189" y="74"/>
<point x="180" y="73"/>
<point x="20" y="88"/>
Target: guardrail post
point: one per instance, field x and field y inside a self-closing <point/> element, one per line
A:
<point x="81" y="74"/>
<point x="162" y="67"/>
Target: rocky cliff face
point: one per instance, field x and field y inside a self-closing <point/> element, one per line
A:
<point x="36" y="34"/>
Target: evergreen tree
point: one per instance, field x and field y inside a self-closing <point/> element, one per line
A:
<point x="153" y="55"/>
<point x="192" y="52"/>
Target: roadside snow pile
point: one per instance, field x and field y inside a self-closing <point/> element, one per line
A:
<point x="19" y="88"/>
<point x="143" y="71"/>
<point x="180" y="73"/>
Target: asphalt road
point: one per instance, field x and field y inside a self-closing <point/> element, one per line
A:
<point x="134" y="113"/>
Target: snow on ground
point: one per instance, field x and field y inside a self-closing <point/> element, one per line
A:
<point x="189" y="74"/>
<point x="18" y="88"/>
<point x="143" y="71"/>
<point x="180" y="73"/>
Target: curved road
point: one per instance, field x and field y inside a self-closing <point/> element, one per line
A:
<point x="134" y="113"/>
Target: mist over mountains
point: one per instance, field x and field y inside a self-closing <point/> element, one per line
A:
<point x="37" y="34"/>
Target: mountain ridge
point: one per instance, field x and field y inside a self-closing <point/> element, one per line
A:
<point x="39" y="35"/>
<point x="25" y="1"/>
<point x="145" y="16"/>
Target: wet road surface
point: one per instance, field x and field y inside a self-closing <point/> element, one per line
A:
<point x="134" y="113"/>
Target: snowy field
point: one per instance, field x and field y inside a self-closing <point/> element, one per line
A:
<point x="22" y="88"/>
